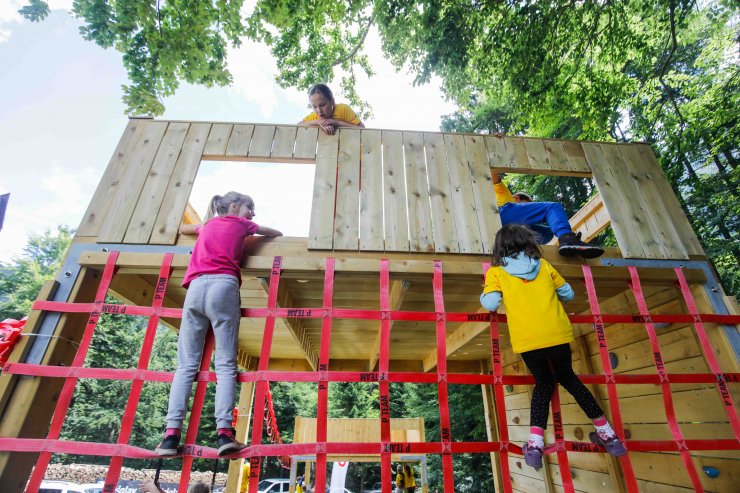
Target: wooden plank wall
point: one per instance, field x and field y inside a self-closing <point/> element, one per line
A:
<point x="383" y="190"/>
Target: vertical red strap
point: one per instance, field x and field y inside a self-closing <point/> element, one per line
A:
<point x="114" y="469"/>
<point x="323" y="397"/>
<point x="665" y="386"/>
<point x="386" y="473"/>
<point x="262" y="386"/>
<point x="499" y="399"/>
<point x="65" y="397"/>
<point x="444" y="408"/>
<point x="706" y="347"/>
<point x="611" y="386"/>
<point x="195" y="413"/>
<point x="557" y="424"/>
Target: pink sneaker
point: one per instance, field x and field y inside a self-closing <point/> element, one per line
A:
<point x="612" y="445"/>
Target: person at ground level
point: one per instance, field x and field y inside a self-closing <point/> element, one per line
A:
<point x="213" y="278"/>
<point x="409" y="479"/>
<point x="299" y="485"/>
<point x="244" y="485"/>
<point x="400" y="480"/>
<point x="547" y="219"/>
<point x="531" y="291"/>
<point x="327" y="114"/>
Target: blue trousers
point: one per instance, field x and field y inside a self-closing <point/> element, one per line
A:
<point x="545" y="218"/>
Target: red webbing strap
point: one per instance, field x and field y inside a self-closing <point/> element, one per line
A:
<point x="323" y="396"/>
<point x="665" y="386"/>
<point x="611" y="387"/>
<point x="442" y="391"/>
<point x="127" y="422"/>
<point x="65" y="397"/>
<point x="499" y="399"/>
<point x="195" y="413"/>
<point x="709" y="355"/>
<point x="386" y="473"/>
<point x="261" y="389"/>
<point x="557" y="425"/>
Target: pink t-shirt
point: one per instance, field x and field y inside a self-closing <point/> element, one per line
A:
<point x="219" y="247"/>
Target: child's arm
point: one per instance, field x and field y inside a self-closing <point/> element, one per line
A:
<point x="188" y="229"/>
<point x="565" y="292"/>
<point x="265" y="231"/>
<point x="491" y="301"/>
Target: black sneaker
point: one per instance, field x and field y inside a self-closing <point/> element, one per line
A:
<point x="169" y="447"/>
<point x="571" y="244"/>
<point x="228" y="444"/>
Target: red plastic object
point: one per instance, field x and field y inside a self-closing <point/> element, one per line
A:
<point x="10" y="330"/>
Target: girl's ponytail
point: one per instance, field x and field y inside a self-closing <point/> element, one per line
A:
<point x="213" y="208"/>
<point x="219" y="205"/>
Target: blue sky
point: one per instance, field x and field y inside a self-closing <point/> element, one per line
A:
<point x="61" y="116"/>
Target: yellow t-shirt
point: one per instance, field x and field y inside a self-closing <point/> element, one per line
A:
<point x="503" y="195"/>
<point x="536" y="317"/>
<point x="400" y="480"/>
<point x="244" y="487"/>
<point x="341" y="112"/>
<point x="410" y="480"/>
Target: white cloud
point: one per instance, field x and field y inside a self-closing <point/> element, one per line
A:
<point x="9" y="15"/>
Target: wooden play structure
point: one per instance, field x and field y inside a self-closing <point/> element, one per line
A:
<point x="385" y="289"/>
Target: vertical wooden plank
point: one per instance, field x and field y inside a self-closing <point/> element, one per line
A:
<point x="181" y="183"/>
<point x="129" y="188"/>
<point x="218" y="139"/>
<point x="556" y="155"/>
<point x="489" y="219"/>
<point x="241" y="136"/>
<point x="394" y="193"/>
<point x="676" y="213"/>
<point x="500" y="157"/>
<point x="440" y="192"/>
<point x="536" y="154"/>
<point x="615" y="202"/>
<point x="109" y="183"/>
<point x="261" y="141"/>
<point x="466" y="214"/>
<point x="324" y="193"/>
<point x="284" y="142"/>
<point x="640" y="213"/>
<point x="421" y="236"/>
<point x="515" y="145"/>
<point x="576" y="156"/>
<point x="305" y="143"/>
<point x="142" y="221"/>
<point x="371" y="192"/>
<point x="347" y="217"/>
<point x="654" y="206"/>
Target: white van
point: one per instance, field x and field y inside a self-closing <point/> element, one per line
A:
<point x="50" y="486"/>
<point x="273" y="485"/>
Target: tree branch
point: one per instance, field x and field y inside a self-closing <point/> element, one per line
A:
<point x="357" y="47"/>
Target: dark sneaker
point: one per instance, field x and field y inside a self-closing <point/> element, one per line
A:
<point x="169" y="447"/>
<point x="532" y="456"/>
<point x="227" y="444"/>
<point x="612" y="444"/>
<point x="571" y="245"/>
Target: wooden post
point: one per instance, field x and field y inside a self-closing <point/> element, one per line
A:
<point x="546" y="474"/>
<point x="492" y="426"/>
<point x="236" y="467"/>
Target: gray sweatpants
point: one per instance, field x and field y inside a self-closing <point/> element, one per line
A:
<point x="211" y="300"/>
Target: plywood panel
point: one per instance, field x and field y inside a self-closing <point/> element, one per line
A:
<point x="443" y="220"/>
<point x="676" y="213"/>
<point x="324" y="193"/>
<point x="261" y="145"/>
<point x="181" y="183"/>
<point x="516" y="146"/>
<point x="556" y="156"/>
<point x="371" y="193"/>
<point x="421" y="236"/>
<point x="489" y="219"/>
<point x="241" y="136"/>
<point x="466" y="214"/>
<point x="284" y="142"/>
<point x="305" y="143"/>
<point x="500" y="157"/>
<point x="536" y="154"/>
<point x="616" y="203"/>
<point x="394" y="193"/>
<point x="109" y="183"/>
<point x="347" y="219"/>
<point x="150" y="200"/>
<point x="576" y="156"/>
<point x="131" y="183"/>
<point x="218" y="139"/>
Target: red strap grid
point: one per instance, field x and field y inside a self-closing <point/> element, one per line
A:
<point x="445" y="447"/>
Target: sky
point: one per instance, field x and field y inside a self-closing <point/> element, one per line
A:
<point x="61" y="116"/>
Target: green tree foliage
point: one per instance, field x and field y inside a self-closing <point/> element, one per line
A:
<point x="21" y="280"/>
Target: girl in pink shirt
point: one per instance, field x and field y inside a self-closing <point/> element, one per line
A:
<point x="213" y="278"/>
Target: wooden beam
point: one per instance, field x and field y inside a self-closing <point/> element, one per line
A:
<point x="546" y="473"/>
<point x="590" y="220"/>
<point x="397" y="294"/>
<point x="492" y="426"/>
<point x="293" y="325"/>
<point x="243" y="417"/>
<point x="457" y="339"/>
